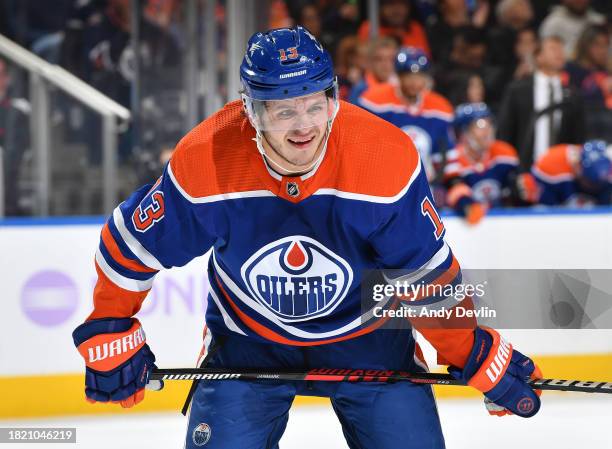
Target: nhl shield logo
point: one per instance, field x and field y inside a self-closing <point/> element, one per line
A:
<point x="297" y="278"/>
<point x="201" y="434"/>
<point x="293" y="190"/>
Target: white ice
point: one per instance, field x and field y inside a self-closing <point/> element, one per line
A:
<point x="571" y="421"/>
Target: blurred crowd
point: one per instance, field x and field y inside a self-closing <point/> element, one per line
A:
<point x="509" y="102"/>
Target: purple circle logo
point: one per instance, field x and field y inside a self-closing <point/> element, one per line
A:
<point x="49" y="298"/>
<point x="525" y="405"/>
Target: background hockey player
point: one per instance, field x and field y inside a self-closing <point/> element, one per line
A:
<point x="481" y="172"/>
<point x="575" y="175"/>
<point x="423" y="114"/>
<point x="297" y="194"/>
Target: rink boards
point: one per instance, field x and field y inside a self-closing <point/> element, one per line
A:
<point x="48" y="276"/>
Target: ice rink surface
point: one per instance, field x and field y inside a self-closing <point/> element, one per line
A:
<point x="574" y="421"/>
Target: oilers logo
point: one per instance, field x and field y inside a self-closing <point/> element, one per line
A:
<point x="487" y="191"/>
<point x="201" y="434"/>
<point x="297" y="278"/>
<point x="422" y="142"/>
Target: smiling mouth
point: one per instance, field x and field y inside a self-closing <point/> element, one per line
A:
<point x="301" y="142"/>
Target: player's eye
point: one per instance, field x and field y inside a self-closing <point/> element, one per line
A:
<point x="316" y="109"/>
<point x="285" y="114"/>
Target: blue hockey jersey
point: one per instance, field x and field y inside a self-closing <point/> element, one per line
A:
<point x="429" y="124"/>
<point x="288" y="253"/>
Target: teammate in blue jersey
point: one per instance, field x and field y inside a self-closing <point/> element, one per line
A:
<point x="413" y="106"/>
<point x="575" y="175"/>
<point x="297" y="194"/>
<point x="481" y="172"/>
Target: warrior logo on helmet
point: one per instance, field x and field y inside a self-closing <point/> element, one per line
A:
<point x="297" y="278"/>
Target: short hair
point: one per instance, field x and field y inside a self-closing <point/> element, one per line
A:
<point x="381" y="42"/>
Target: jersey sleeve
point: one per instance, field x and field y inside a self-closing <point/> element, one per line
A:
<point x="411" y="240"/>
<point x="156" y="228"/>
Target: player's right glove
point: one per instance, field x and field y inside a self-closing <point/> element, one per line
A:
<point x="501" y="373"/>
<point x="528" y="188"/>
<point x="118" y="360"/>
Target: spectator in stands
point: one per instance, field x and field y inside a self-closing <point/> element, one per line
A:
<point x="380" y="67"/>
<point x="469" y="55"/>
<point x="568" y="20"/>
<point x="14" y="139"/>
<point x="528" y="119"/>
<point x="397" y="22"/>
<point x="467" y="87"/>
<point x="575" y="175"/>
<point x="340" y="18"/>
<point x="512" y="17"/>
<point x="589" y="70"/>
<point x="279" y="16"/>
<point x="524" y="53"/>
<point x="480" y="174"/>
<point x="310" y="19"/>
<point x="452" y="16"/>
<point x="350" y="65"/>
<point x="424" y="115"/>
<point x="36" y="25"/>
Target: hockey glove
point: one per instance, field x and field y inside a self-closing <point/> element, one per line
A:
<point x="118" y="360"/>
<point x="528" y="188"/>
<point x="501" y="373"/>
<point x="475" y="212"/>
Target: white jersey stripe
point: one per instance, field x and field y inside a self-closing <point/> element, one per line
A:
<point x="135" y="246"/>
<point x="226" y="318"/>
<point x="215" y="198"/>
<point x="133" y="285"/>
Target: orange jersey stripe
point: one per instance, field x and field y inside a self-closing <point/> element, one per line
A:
<point x="111" y="301"/>
<point x="116" y="254"/>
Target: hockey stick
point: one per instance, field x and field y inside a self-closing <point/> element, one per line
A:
<point x="356" y="375"/>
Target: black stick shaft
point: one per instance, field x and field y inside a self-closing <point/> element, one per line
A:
<point x="355" y="375"/>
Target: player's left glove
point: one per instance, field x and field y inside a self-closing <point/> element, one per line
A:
<point x="475" y="212"/>
<point x="118" y="360"/>
<point x="501" y="373"/>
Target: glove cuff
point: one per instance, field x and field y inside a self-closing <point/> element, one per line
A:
<point x="497" y="359"/>
<point x="100" y="326"/>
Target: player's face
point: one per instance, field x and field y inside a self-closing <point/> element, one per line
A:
<point x="480" y="135"/>
<point x="295" y="129"/>
<point x="383" y="62"/>
<point x="413" y="85"/>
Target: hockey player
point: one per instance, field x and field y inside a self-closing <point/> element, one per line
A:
<point x="480" y="173"/>
<point x="423" y="114"/>
<point x="297" y="194"/>
<point x="575" y="175"/>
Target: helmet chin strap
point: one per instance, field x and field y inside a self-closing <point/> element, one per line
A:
<point x="268" y="160"/>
